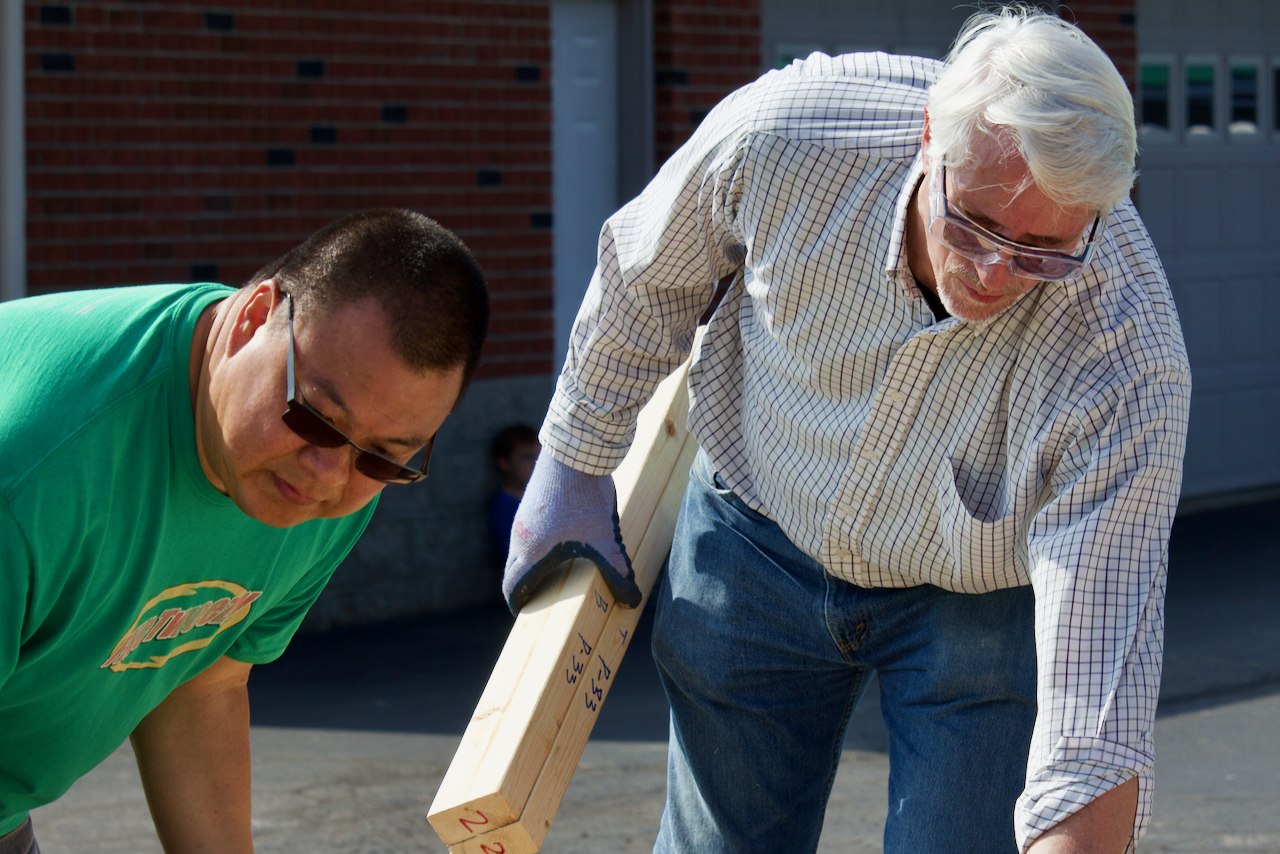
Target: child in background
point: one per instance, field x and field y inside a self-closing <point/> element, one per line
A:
<point x="515" y="450"/>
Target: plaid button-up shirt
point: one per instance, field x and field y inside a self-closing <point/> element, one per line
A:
<point x="1042" y="447"/>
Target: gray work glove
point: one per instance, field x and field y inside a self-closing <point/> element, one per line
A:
<point x="566" y="514"/>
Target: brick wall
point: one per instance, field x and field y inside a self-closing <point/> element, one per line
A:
<point x="1113" y="25"/>
<point x="171" y="141"/>
<point x="703" y="50"/>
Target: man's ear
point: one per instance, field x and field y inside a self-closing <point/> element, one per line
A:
<point x="253" y="313"/>
<point x="924" y="137"/>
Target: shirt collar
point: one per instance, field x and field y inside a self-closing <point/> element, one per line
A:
<point x="896" y="259"/>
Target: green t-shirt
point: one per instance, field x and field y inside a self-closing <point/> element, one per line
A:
<point x="123" y="572"/>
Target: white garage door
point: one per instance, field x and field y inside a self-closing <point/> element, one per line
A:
<point x="1210" y="190"/>
<point x="1210" y="187"/>
<point x="795" y="28"/>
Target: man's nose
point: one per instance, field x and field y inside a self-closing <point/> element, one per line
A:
<point x="993" y="272"/>
<point x="332" y="466"/>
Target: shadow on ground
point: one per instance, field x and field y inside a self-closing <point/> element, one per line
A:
<point x="1222" y="638"/>
<point x="425" y="674"/>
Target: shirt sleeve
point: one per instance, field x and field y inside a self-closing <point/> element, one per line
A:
<point x="658" y="261"/>
<point x="269" y="634"/>
<point x="15" y="590"/>
<point x="1098" y="556"/>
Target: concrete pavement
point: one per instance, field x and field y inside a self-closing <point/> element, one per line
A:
<point x="354" y="729"/>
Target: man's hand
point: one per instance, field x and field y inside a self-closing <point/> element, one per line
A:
<point x="566" y="514"/>
<point x="1103" y="826"/>
<point x="193" y="755"/>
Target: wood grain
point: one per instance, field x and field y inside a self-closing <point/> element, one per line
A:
<point x="526" y="835"/>
<point x="553" y="667"/>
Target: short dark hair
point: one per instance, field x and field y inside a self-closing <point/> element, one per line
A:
<point x="512" y="437"/>
<point x="422" y="275"/>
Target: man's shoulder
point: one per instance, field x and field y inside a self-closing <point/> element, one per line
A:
<point x="866" y="68"/>
<point x="855" y="101"/>
<point x="1126" y="300"/>
<point x="68" y="359"/>
<point x="78" y="325"/>
<point x="1117" y="322"/>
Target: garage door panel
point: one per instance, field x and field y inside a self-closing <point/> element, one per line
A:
<point x="1242" y="310"/>
<point x="1157" y="199"/>
<point x="1203" y="463"/>
<point x="1271" y="221"/>
<point x="1243" y="16"/>
<point x="1252" y="415"/>
<point x="1195" y="16"/>
<point x="1245" y="212"/>
<point x="1198" y="307"/>
<point x="1229" y="443"/>
<point x="1201" y="218"/>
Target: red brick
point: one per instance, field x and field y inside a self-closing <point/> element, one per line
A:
<point x="1101" y="22"/>
<point x="162" y="115"/>
<point x="716" y="43"/>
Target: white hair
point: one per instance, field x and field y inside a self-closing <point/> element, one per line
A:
<point x="1040" y="86"/>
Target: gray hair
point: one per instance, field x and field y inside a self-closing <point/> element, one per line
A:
<point x="1041" y="87"/>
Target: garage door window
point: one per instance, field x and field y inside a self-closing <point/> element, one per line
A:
<point x="1244" y="100"/>
<point x="1155" y="97"/>
<point x="1199" y="99"/>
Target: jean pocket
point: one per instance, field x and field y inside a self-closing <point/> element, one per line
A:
<point x="710" y="479"/>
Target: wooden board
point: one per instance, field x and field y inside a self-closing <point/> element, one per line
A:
<point x="547" y="657"/>
<point x="515" y="722"/>
<point x="526" y="835"/>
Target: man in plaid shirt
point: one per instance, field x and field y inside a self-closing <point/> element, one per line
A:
<point x="942" y="412"/>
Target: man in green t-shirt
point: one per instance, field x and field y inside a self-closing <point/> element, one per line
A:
<point x="164" y="527"/>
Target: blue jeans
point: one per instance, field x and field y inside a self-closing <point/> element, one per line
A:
<point x="764" y="657"/>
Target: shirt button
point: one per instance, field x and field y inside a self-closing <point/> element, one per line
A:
<point x="868" y="455"/>
<point x="897" y="396"/>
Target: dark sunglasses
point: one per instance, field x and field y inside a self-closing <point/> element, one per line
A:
<point x="316" y="430"/>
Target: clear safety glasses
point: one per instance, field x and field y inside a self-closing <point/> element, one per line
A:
<point x="969" y="240"/>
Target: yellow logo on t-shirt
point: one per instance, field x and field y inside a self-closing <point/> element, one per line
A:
<point x="221" y="613"/>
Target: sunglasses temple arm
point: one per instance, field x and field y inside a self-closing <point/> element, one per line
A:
<point x="289" y="360"/>
<point x="431" y="444"/>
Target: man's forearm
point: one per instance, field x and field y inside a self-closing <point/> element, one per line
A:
<point x="193" y="755"/>
<point x="1103" y="826"/>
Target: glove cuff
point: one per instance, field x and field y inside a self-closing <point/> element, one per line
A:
<point x="566" y="486"/>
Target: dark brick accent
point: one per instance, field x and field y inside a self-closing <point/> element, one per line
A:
<point x="55" y="16"/>
<point x="56" y="62"/>
<point x="324" y="136"/>
<point x="310" y="68"/>
<point x="219" y="21"/>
